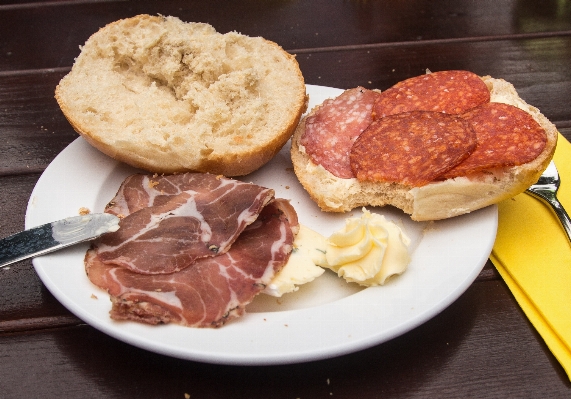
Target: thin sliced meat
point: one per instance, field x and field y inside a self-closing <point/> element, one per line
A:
<point x="331" y="131"/>
<point x="177" y="219"/>
<point x="451" y="92"/>
<point x="140" y="191"/>
<point x="135" y="193"/>
<point x="411" y="148"/>
<point x="285" y="207"/>
<point x="506" y="135"/>
<point x="211" y="292"/>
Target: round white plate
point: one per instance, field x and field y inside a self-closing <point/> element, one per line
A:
<point x="325" y="318"/>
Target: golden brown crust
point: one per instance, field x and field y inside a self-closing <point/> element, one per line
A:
<point x="433" y="201"/>
<point x="168" y="96"/>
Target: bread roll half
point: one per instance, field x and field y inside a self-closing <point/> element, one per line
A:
<point x="169" y="96"/>
<point x="436" y="200"/>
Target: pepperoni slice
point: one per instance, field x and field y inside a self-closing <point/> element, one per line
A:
<point x="331" y="131"/>
<point x="506" y="135"/>
<point x="411" y="148"/>
<point x="451" y="92"/>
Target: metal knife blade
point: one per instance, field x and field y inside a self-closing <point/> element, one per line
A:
<point x="54" y="236"/>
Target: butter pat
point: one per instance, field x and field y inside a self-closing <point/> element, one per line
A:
<point x="368" y="250"/>
<point x="308" y="251"/>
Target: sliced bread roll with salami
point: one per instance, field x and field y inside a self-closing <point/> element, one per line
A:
<point x="169" y="96"/>
<point x="435" y="146"/>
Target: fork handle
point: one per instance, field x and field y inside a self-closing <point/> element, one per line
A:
<point x="550" y="198"/>
<point x="563" y="217"/>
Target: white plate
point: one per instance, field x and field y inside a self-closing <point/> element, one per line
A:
<point x="324" y="319"/>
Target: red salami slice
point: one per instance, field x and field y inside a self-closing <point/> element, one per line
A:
<point x="411" y="148"/>
<point x="506" y="135"/>
<point x="331" y="131"/>
<point x="451" y="92"/>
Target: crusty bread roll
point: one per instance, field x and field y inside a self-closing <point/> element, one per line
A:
<point x="169" y="96"/>
<point x="436" y="200"/>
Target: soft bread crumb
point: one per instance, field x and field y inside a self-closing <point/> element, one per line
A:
<point x="169" y="96"/>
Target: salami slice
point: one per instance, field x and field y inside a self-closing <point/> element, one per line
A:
<point x="506" y="135"/>
<point x="331" y="131"/>
<point x="451" y="92"/>
<point x="411" y="148"/>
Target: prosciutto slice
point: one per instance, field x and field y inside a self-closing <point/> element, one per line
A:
<point x="214" y="289"/>
<point x="171" y="221"/>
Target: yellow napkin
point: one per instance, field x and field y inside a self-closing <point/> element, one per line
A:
<point x="533" y="256"/>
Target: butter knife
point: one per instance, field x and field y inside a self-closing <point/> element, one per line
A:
<point x="54" y="236"/>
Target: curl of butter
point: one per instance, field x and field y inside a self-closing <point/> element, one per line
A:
<point x="368" y="250"/>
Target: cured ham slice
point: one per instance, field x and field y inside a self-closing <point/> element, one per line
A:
<point x="213" y="290"/>
<point x="170" y="221"/>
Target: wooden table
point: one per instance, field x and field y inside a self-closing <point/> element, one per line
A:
<point x="481" y="346"/>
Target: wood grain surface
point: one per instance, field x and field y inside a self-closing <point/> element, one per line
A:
<point x="481" y="346"/>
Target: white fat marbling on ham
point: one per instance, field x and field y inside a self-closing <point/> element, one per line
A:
<point x="170" y="221"/>
<point x="214" y="289"/>
<point x="141" y="191"/>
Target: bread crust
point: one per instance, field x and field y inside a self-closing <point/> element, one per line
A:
<point x="172" y="97"/>
<point x="436" y="200"/>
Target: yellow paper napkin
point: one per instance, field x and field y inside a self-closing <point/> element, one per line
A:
<point x="533" y="256"/>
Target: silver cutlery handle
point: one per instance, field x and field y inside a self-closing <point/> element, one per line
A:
<point x="54" y="236"/>
<point x="561" y="213"/>
<point x="563" y="217"/>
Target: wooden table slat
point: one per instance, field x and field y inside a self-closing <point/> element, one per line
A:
<point x="25" y="43"/>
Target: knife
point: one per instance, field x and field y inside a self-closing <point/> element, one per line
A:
<point x="54" y="236"/>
